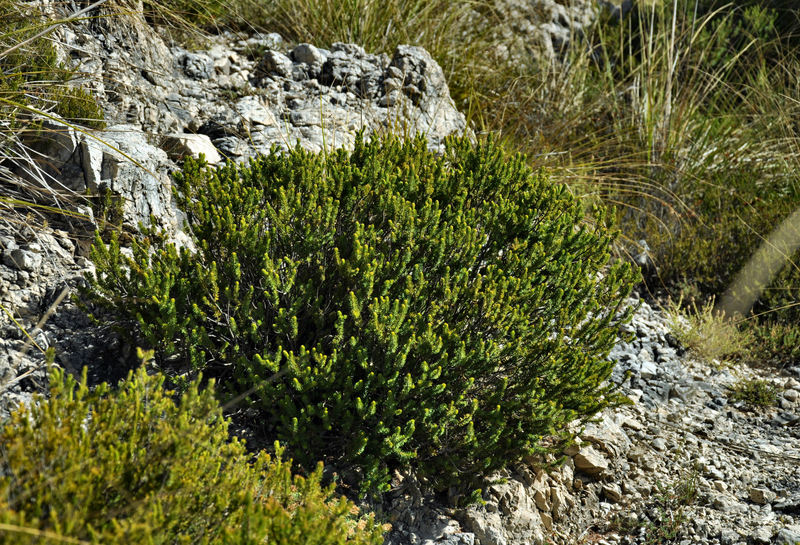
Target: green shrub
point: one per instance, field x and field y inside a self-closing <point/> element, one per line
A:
<point x="385" y="304"/>
<point x="754" y="393"/>
<point x="777" y="343"/>
<point x="78" y="105"/>
<point x="134" y="466"/>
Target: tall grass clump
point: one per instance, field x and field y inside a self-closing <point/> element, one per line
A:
<point x="34" y="86"/>
<point x="137" y="465"/>
<point x="384" y="306"/>
<point x="741" y="182"/>
<point x="680" y="114"/>
<point x="33" y="79"/>
<point x="707" y="333"/>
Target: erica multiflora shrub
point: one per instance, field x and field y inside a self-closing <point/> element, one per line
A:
<point x="385" y="305"/>
<point x="137" y="465"/>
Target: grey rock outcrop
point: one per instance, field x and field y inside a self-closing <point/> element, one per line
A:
<point x="541" y="28"/>
<point x="163" y="104"/>
<point x="134" y="169"/>
<point x="246" y="103"/>
<point x="40" y="268"/>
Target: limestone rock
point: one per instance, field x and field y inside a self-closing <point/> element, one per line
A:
<point x="136" y="170"/>
<point x="612" y="492"/>
<point x="274" y="63"/>
<point x="24" y="260"/>
<point x="590" y="461"/>
<point x="542" y="28"/>
<point x="607" y="434"/>
<point x="197" y="65"/>
<point x="180" y="146"/>
<point x="762" y="496"/>
<point x="308" y="54"/>
<point x="55" y="163"/>
<point x="788" y="536"/>
<point x="510" y="516"/>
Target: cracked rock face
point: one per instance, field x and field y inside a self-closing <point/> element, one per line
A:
<point x="40" y="269"/>
<point x="237" y="98"/>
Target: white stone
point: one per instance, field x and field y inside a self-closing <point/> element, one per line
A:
<point x="180" y="146"/>
<point x="612" y="492"/>
<point x="607" y="435"/>
<point x="788" y="536"/>
<point x="308" y="54"/>
<point x="590" y="461"/>
<point x="648" y="369"/>
<point x="23" y="260"/>
<point x="255" y="112"/>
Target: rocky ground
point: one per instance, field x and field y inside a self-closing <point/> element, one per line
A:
<point x="681" y="464"/>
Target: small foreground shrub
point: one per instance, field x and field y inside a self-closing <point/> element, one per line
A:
<point x="385" y="304"/>
<point x="665" y="519"/>
<point x="134" y="466"/>
<point x="776" y="343"/>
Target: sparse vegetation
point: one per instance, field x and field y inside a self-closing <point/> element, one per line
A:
<point x="663" y="518"/>
<point x="34" y="85"/>
<point x="755" y="393"/>
<point x="708" y="333"/>
<point x="32" y="78"/>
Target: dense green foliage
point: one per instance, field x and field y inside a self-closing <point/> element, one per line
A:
<point x="385" y="304"/>
<point x="135" y="466"/>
